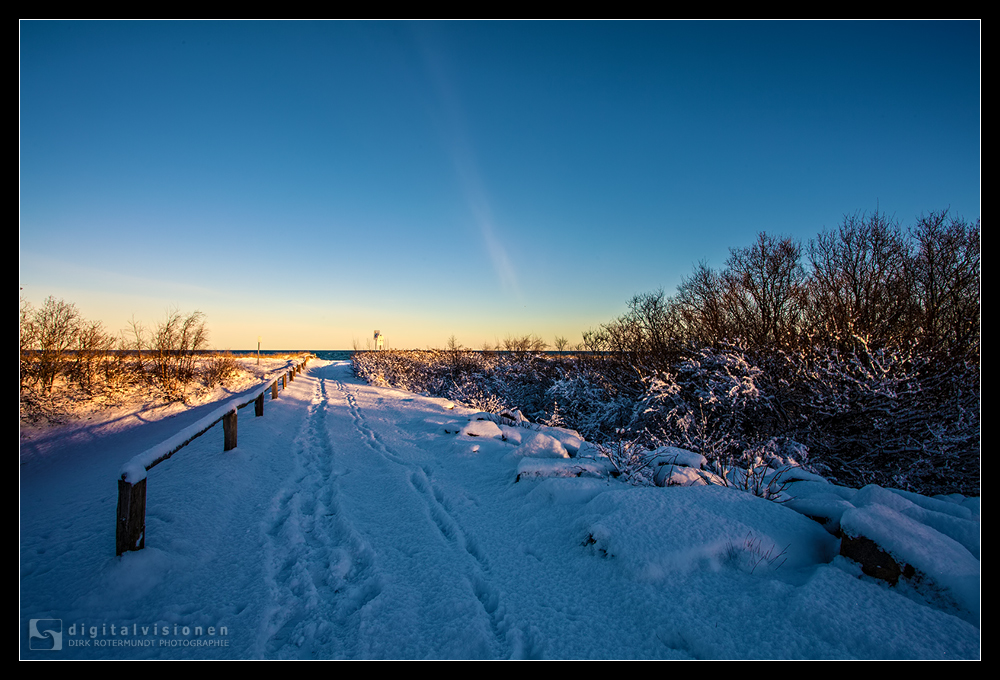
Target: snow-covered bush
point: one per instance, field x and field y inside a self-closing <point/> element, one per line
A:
<point x="762" y="470"/>
<point x="595" y="397"/>
<point x="712" y="405"/>
<point x="469" y="391"/>
<point x="487" y="381"/>
<point x="630" y="459"/>
<point x="892" y="416"/>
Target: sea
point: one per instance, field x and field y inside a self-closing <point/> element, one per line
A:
<point x="326" y="354"/>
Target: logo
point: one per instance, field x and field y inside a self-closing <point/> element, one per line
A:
<point x="45" y="634"/>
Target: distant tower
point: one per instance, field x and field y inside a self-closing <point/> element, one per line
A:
<point x="379" y="340"/>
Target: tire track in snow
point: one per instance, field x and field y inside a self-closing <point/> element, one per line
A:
<point x="369" y="436"/>
<point x="515" y="638"/>
<point x="512" y="638"/>
<point x="319" y="569"/>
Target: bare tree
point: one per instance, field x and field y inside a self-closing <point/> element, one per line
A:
<point x="646" y="332"/>
<point x="93" y="347"/>
<point x="133" y="343"/>
<point x="56" y="326"/>
<point x="946" y="271"/>
<point x="524" y="343"/>
<point x="859" y="285"/>
<point x="764" y="288"/>
<point x="173" y="346"/>
<point x="28" y="338"/>
<point x="658" y="325"/>
<point x="701" y="307"/>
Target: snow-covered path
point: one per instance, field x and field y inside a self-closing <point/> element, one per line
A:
<point x="352" y="522"/>
<point x="392" y="540"/>
<point x="363" y="557"/>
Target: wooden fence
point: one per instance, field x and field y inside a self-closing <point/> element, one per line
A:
<point x="130" y="525"/>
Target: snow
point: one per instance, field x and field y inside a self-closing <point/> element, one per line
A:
<point x="939" y="559"/>
<point x="135" y="469"/>
<point x="670" y="455"/>
<point x="534" y="467"/>
<point x="481" y="428"/>
<point x="359" y="522"/>
<point x="925" y="511"/>
<point x="570" y="439"/>
<point x="542" y="445"/>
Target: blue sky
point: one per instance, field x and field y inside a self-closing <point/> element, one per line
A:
<point x="308" y="182"/>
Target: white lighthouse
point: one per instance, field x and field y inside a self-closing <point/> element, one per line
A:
<point x="379" y="340"/>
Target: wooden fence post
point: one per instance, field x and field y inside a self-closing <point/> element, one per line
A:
<point x="291" y="376"/>
<point x="258" y="405"/>
<point x="229" y="430"/>
<point x="130" y="530"/>
<point x="274" y="390"/>
<point x="283" y="381"/>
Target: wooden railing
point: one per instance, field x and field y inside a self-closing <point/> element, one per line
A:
<point x="130" y="527"/>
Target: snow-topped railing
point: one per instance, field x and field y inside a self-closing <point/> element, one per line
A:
<point x="130" y="528"/>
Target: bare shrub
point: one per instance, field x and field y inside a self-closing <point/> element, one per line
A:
<point x="630" y="459"/>
<point x="648" y="336"/>
<point x="860" y="286"/>
<point x="28" y="338"/>
<point x="761" y="471"/>
<point x="946" y="271"/>
<point x="524" y="343"/>
<point x="765" y="287"/>
<point x="94" y="348"/>
<point x="752" y="552"/>
<point x="56" y="325"/>
<point x="172" y="347"/>
<point x="220" y="369"/>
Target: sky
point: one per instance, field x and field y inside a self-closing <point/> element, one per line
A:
<point x="308" y="182"/>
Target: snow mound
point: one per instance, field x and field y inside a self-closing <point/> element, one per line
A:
<point x="917" y="508"/>
<point x="570" y="439"/>
<point x="481" y="428"/>
<point x="539" y="468"/>
<point x="671" y="455"/>
<point x="542" y="446"/>
<point x="941" y="562"/>
<point x="655" y="533"/>
<point x="512" y="434"/>
<point x="679" y="475"/>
